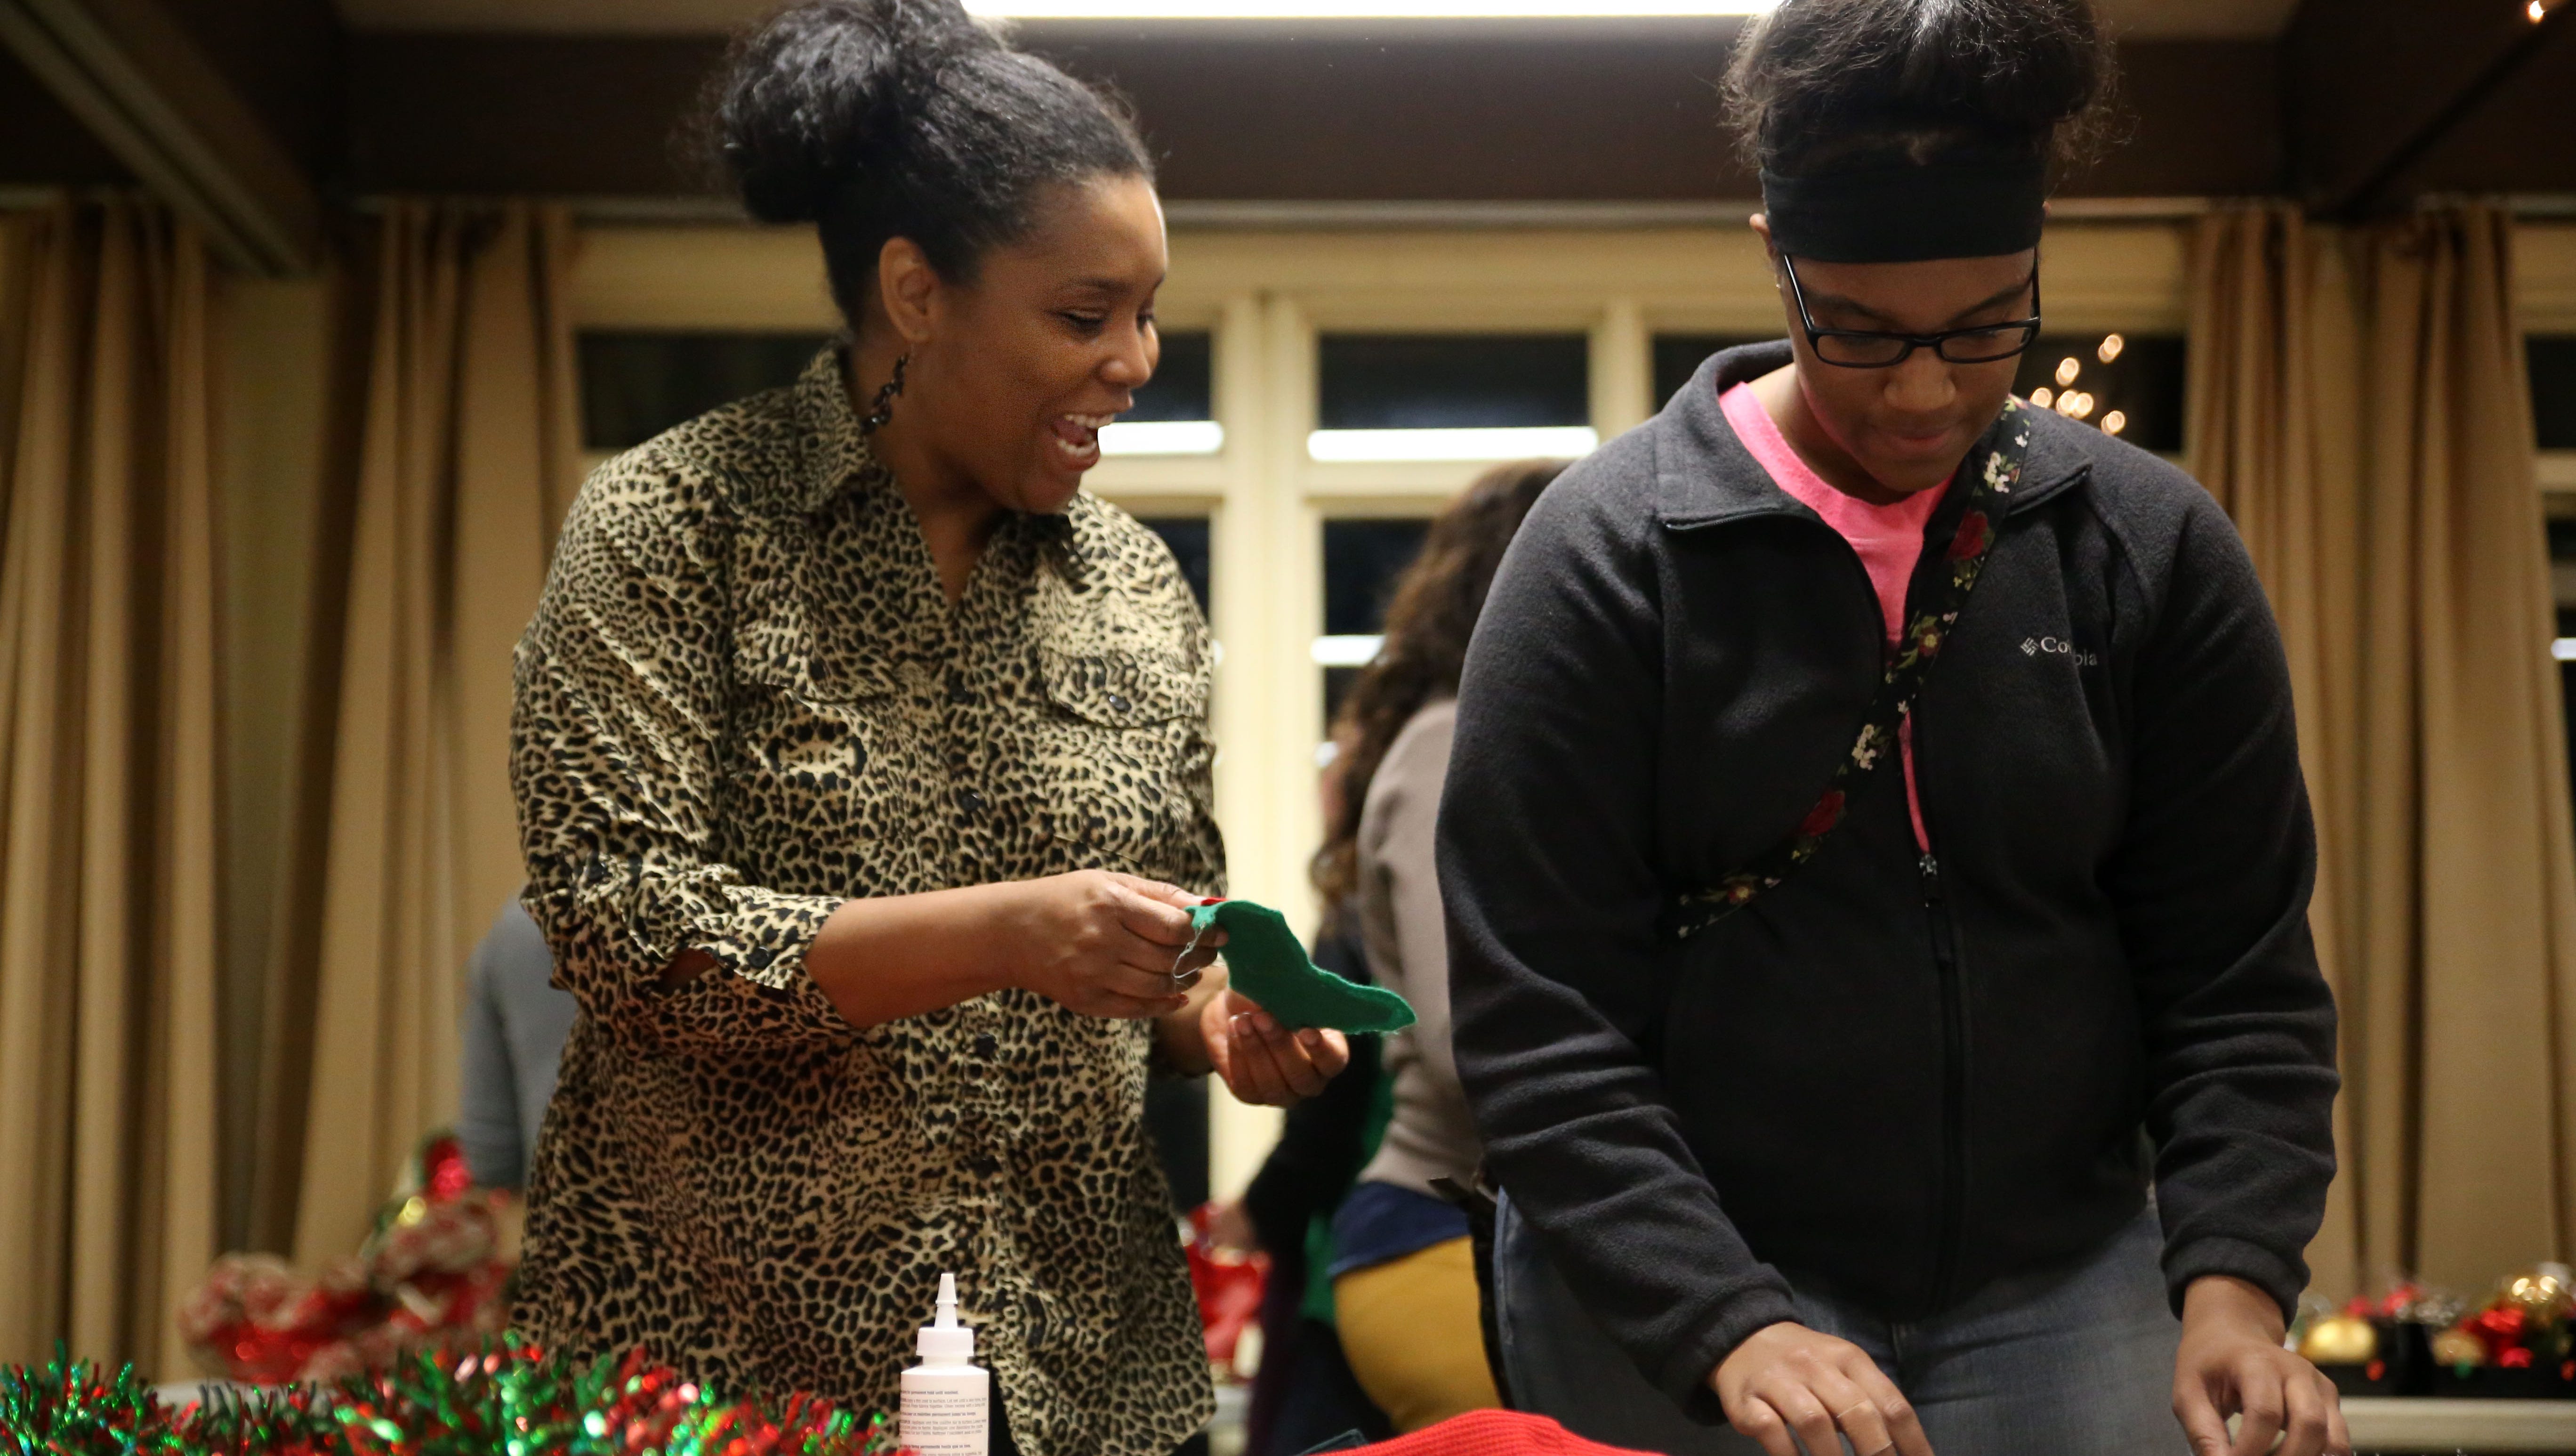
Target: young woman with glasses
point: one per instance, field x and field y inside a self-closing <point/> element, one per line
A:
<point x="1875" y="852"/>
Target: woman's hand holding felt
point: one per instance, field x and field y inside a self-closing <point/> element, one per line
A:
<point x="1102" y="943"/>
<point x="1788" y="1378"/>
<point x="1262" y="1062"/>
<point x="2231" y="1363"/>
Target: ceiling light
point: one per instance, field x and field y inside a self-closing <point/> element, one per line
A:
<point x="1355" y="9"/>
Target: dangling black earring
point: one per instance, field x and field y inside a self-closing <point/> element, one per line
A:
<point x="881" y="409"/>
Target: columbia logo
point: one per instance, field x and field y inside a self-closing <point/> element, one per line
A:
<point x="2034" y="646"/>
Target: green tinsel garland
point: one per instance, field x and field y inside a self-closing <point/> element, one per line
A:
<point x="505" y="1399"/>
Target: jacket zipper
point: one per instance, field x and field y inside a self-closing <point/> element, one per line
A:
<point x="1952" y="1214"/>
<point x="1954" y="1085"/>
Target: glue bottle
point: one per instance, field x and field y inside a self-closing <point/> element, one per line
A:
<point x="947" y="1398"/>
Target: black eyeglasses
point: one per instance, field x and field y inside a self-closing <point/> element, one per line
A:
<point x="1873" y="349"/>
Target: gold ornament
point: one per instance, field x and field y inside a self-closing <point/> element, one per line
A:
<point x="2340" y="1340"/>
<point x="2458" y="1347"/>
<point x="2541" y="1295"/>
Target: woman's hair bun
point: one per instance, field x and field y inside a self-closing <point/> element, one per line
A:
<point x="1818" y="81"/>
<point x="817" y="95"/>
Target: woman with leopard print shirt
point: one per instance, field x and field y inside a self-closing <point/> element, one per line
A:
<point x="863" y="775"/>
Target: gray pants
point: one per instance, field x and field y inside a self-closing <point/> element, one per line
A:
<point x="2075" y="1360"/>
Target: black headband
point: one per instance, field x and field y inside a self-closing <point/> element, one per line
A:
<point x="1966" y="205"/>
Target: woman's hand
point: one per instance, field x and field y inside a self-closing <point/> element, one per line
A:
<point x="1787" y="1377"/>
<point x="2231" y="1364"/>
<point x="1102" y="943"/>
<point x="1262" y="1062"/>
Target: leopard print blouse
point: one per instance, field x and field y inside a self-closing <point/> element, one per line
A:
<point x="743" y="699"/>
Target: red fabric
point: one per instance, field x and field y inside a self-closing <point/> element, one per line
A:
<point x="1228" y="1285"/>
<point x="1493" y="1433"/>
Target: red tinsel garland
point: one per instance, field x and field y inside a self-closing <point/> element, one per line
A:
<point x="510" y="1397"/>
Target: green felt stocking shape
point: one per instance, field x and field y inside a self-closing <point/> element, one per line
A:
<point x="1265" y="962"/>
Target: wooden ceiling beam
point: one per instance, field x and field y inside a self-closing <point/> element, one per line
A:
<point x="145" y="90"/>
<point x="2374" y="89"/>
<point x="1307" y="118"/>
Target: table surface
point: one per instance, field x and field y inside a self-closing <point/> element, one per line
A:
<point x="2424" y="1424"/>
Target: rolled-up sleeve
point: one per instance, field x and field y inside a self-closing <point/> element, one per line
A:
<point x="623" y="682"/>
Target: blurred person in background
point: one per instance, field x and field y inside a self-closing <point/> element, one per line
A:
<point x="516" y="1020"/>
<point x="1404" y="1279"/>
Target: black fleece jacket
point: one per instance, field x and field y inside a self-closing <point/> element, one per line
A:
<point x="1902" y="1079"/>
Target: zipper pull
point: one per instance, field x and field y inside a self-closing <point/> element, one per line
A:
<point x="1930" y="869"/>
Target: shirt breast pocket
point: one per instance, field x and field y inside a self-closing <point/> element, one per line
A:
<point x="800" y="763"/>
<point x="1107" y="757"/>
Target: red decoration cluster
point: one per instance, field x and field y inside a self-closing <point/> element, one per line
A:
<point x="430" y="1273"/>
<point x="1228" y="1284"/>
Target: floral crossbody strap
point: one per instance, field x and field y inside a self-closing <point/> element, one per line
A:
<point x="1990" y="479"/>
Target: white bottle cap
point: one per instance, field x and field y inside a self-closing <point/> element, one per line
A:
<point x="944" y="1340"/>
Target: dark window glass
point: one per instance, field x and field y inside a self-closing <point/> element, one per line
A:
<point x="1362" y="560"/>
<point x="1188" y="538"/>
<point x="2553" y="390"/>
<point x="2142" y="382"/>
<point x="1678" y="357"/>
<point x="1452" y="381"/>
<point x="2562" y="582"/>
<point x="1184" y="384"/>
<point x="2562" y="576"/>
<point x="636" y="385"/>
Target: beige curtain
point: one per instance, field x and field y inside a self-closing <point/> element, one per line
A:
<point x="108" y="895"/>
<point x="466" y="463"/>
<point x="2358" y="403"/>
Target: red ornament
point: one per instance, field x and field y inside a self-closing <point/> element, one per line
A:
<point x="444" y="1176"/>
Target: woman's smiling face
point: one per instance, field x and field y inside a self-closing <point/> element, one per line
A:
<point x="1023" y="364"/>
<point x="1908" y="425"/>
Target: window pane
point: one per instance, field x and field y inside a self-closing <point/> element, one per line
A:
<point x="1452" y="381"/>
<point x="1678" y="357"/>
<point x="2140" y="383"/>
<point x="2553" y="390"/>
<point x="636" y="385"/>
<point x="1188" y="538"/>
<point x="1184" y="384"/>
<point x="2562" y="584"/>
<point x="2562" y="575"/>
<point x="1362" y="560"/>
